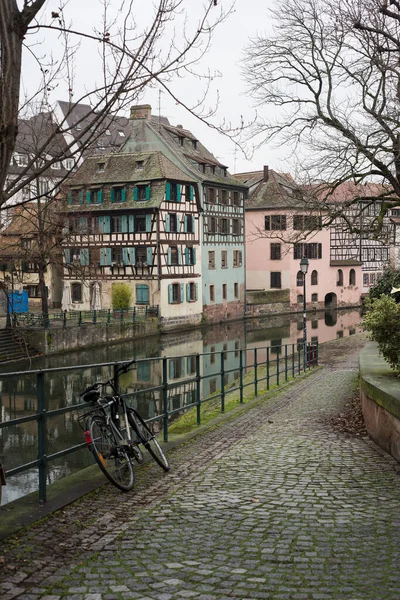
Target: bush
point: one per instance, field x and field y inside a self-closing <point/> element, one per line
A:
<point x="121" y="296"/>
<point x="389" y="280"/>
<point x="382" y="321"/>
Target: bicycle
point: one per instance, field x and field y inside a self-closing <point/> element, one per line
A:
<point x="109" y="437"/>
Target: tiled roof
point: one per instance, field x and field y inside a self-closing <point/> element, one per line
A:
<point x="280" y="191"/>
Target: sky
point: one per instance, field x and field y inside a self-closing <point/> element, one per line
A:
<point x="248" y="18"/>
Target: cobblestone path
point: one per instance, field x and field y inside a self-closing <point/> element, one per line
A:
<point x="273" y="503"/>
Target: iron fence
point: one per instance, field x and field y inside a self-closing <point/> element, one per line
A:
<point x="171" y="385"/>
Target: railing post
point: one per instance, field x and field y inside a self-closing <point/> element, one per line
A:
<point x="267" y="368"/>
<point x="80" y="318"/>
<point x="42" y="436"/>
<point x="286" y="363"/>
<point x="299" y="360"/>
<point x="241" y="375"/>
<point x="64" y="319"/>
<point x="293" y="366"/>
<point x="222" y="383"/>
<point x="134" y="314"/>
<point x="277" y="365"/>
<point x="165" y="397"/>
<point x="255" y="373"/>
<point x="94" y="317"/>
<point x="109" y="316"/>
<point x="122" y="315"/>
<point x="198" y="397"/>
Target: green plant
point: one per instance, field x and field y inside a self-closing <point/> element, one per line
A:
<point x="389" y="280"/>
<point x="382" y="321"/>
<point x="121" y="296"/>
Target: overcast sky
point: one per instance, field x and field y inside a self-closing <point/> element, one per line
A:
<point x="249" y="17"/>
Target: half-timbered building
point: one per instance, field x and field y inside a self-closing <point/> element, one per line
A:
<point x="134" y="218"/>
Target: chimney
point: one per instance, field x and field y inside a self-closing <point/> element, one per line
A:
<point x="266" y="173"/>
<point x="141" y="112"/>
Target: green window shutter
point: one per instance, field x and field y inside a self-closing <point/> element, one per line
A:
<point x="167" y="225"/>
<point x="84" y="256"/>
<point x="185" y="227"/>
<point x="148" y="223"/>
<point x="135" y="193"/>
<point x="123" y="194"/>
<point x="108" y="256"/>
<point x="170" y="293"/>
<point x="131" y="222"/>
<point x="124" y="223"/>
<point x="194" y="255"/>
<point x="67" y="256"/>
<point x="179" y="256"/>
<point x="80" y="196"/>
<point x="132" y="259"/>
<point x="147" y="192"/>
<point x="88" y="197"/>
<point x="187" y="256"/>
<point x="99" y="196"/>
<point x="178" y="192"/>
<point x="168" y="191"/>
<point x="187" y="292"/>
<point x="182" y="290"/>
<point x="23" y="266"/>
<point x="149" y="255"/>
<point x="107" y="224"/>
<point x="125" y="256"/>
<point x="112" y="195"/>
<point x="197" y="291"/>
<point x="103" y="256"/>
<point x="101" y="224"/>
<point x="191" y="193"/>
<point x="69" y="197"/>
<point x="169" y="256"/>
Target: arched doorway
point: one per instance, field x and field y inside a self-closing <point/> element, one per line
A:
<point x="330" y="300"/>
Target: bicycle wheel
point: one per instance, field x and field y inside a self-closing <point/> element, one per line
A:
<point x="112" y="459"/>
<point x="147" y="438"/>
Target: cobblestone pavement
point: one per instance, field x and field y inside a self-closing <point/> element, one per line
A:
<point x="273" y="503"/>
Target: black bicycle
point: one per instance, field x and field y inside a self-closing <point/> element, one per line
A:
<point x="114" y="432"/>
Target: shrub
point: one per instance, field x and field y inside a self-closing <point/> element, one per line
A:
<point x="382" y="321"/>
<point x="389" y="280"/>
<point x="121" y="296"/>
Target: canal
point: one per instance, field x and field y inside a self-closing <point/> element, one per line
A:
<point x="18" y="444"/>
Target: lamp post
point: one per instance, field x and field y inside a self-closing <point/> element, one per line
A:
<point x="304" y="269"/>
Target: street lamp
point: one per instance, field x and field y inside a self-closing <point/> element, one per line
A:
<point x="304" y="269"/>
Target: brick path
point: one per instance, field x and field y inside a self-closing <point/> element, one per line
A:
<point x="273" y="503"/>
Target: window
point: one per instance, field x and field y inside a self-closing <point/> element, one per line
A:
<point x="212" y="293"/>
<point x="314" y="278"/>
<point x="307" y="222"/>
<point x="173" y="255"/>
<point x="224" y="226"/>
<point x="76" y="292"/>
<point x="93" y="224"/>
<point x="190" y="255"/>
<point x="174" y="293"/>
<point x="224" y="259"/>
<point x="307" y="250"/>
<point x="236" y="199"/>
<point x="224" y="291"/>
<point x="212" y="225"/>
<point x="339" y="277"/>
<point x="352" y="277"/>
<point x="141" y="193"/>
<point x="372" y="279"/>
<point x="275" y="251"/>
<point x="116" y="224"/>
<point x="175" y="192"/>
<point x="211" y="259"/>
<point x="117" y="194"/>
<point x="56" y="165"/>
<point x="237" y="258"/>
<point x="314" y="324"/>
<point x="224" y="197"/>
<point x="93" y="196"/>
<point x="189" y="224"/>
<point x="275" y="279"/>
<point x="275" y="222"/>
<point x="141" y="256"/>
<point x="26" y="243"/>
<point x="189" y="193"/>
<point x="314" y="297"/>
<point x="121" y="134"/>
<point x="142" y="294"/>
<point x="212" y="355"/>
<point x="300" y="299"/>
<point x="299" y="279"/>
<point x="101" y="167"/>
<point x="139" y="164"/>
<point x="235" y="226"/>
<point x="191" y="292"/>
<point x="365" y="279"/>
<point x="33" y="291"/>
<point x="116" y="255"/>
<point x="211" y="195"/>
<point x="140" y="224"/>
<point x="236" y="290"/>
<point x="175" y="367"/>
<point x="26" y="192"/>
<point x="76" y="196"/>
<point x="173" y="223"/>
<point x="69" y="164"/>
<point x="21" y="160"/>
<point x="29" y="267"/>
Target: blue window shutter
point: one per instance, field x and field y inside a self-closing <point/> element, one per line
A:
<point x="194" y="255"/>
<point x="88" y="197"/>
<point x="187" y="292"/>
<point x="182" y="290"/>
<point x="187" y="256"/>
<point x="167" y="225"/>
<point x="108" y="256"/>
<point x="112" y="195"/>
<point x="179" y="256"/>
<point x="169" y="256"/>
<point x="101" y="224"/>
<point x="178" y="192"/>
<point x="125" y="256"/>
<point x="168" y="191"/>
<point x="80" y="196"/>
<point x="135" y="193"/>
<point x="131" y="223"/>
<point x="124" y="223"/>
<point x="148" y="222"/>
<point x="99" y="196"/>
<point x="123" y="195"/>
<point x="69" y="197"/>
<point x="67" y="254"/>
<point x="103" y="256"/>
<point x="191" y="193"/>
<point x="170" y="293"/>
<point x="197" y="290"/>
<point x="182" y="366"/>
<point x="107" y="224"/>
<point x="149" y="255"/>
<point x="147" y="192"/>
<point x="84" y="256"/>
<point x="185" y="227"/>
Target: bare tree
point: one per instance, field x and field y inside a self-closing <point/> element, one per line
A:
<point x="133" y="51"/>
<point x="330" y="77"/>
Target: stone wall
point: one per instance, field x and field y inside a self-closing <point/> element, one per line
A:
<point x="228" y="311"/>
<point x="380" y="400"/>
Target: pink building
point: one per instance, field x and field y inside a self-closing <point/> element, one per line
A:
<point x="281" y="230"/>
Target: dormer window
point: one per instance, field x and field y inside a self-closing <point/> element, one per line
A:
<point x="139" y="164"/>
<point x="56" y="165"/>
<point x="181" y="140"/>
<point x="194" y="144"/>
<point x="121" y="133"/>
<point x="21" y="160"/>
<point x="78" y="127"/>
<point x="101" y="167"/>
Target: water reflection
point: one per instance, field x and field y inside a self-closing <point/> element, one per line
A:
<point x="219" y="365"/>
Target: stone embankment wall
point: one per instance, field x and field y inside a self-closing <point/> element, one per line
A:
<point x="380" y="400"/>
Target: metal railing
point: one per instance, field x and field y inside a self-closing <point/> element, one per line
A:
<point x="229" y="376"/>
<point x="83" y="317"/>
